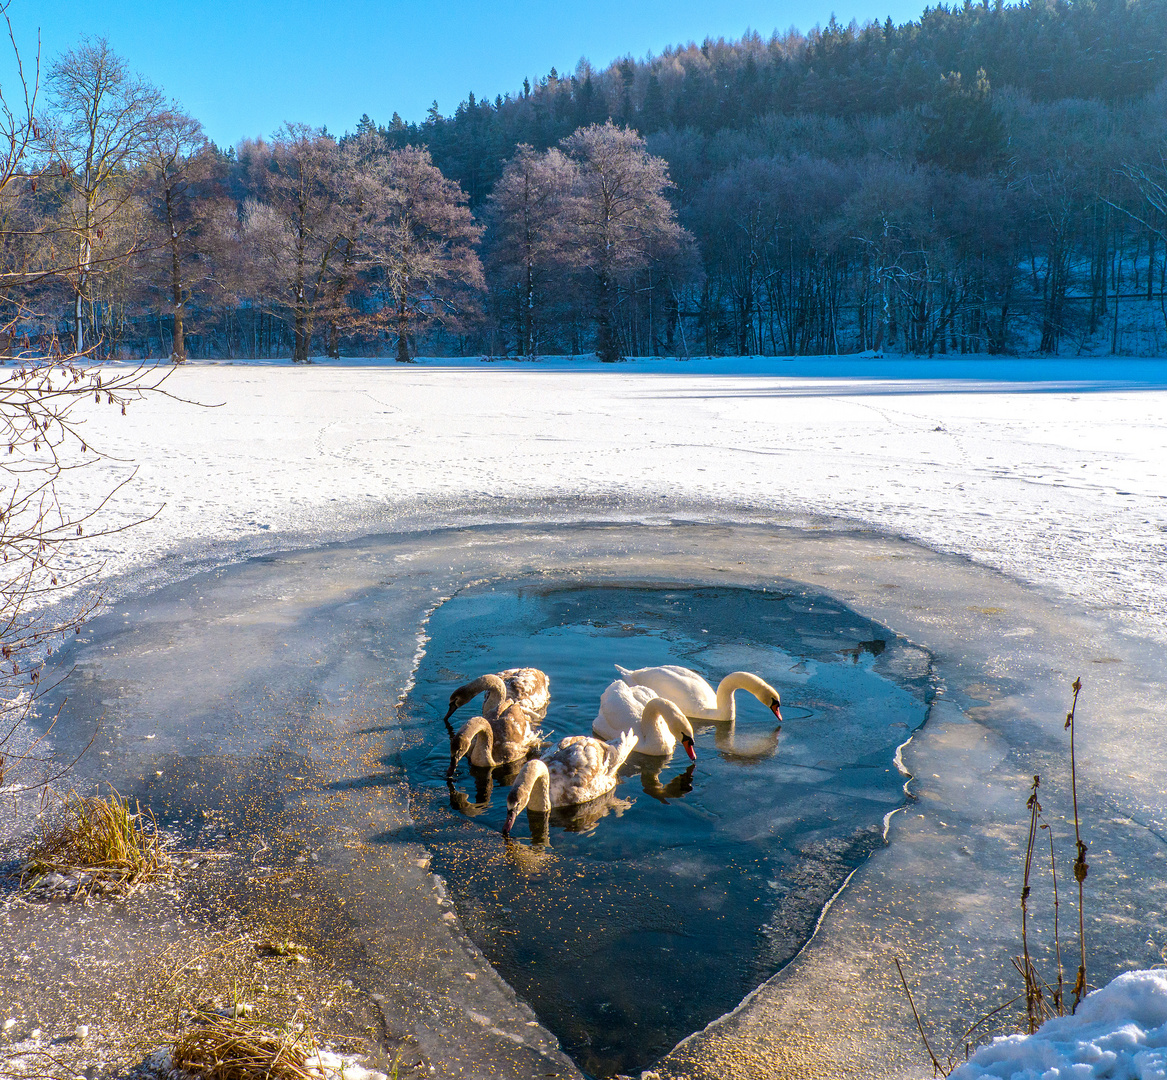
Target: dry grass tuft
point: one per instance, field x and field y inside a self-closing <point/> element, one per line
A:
<point x="224" y="1048"/>
<point x="101" y="843"/>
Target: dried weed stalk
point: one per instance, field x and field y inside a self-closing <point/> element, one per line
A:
<point x="1038" y="1006"/>
<point x="225" y="1048"/>
<point x="102" y="843"/>
<point x="1035" y="1007"/>
<point x="1080" y="866"/>
<point x="936" y="1066"/>
<point x="1060" y="991"/>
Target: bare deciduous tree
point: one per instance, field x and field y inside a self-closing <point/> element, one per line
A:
<point x="529" y="214"/>
<point x="183" y="190"/>
<point x="300" y="234"/>
<point x="41" y="392"/>
<point x="420" y="241"/>
<point x="103" y="120"/>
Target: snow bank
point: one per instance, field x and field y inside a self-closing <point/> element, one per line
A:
<point x="1118" y="1032"/>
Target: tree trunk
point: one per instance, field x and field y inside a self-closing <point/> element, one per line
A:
<point x="303" y="335"/>
<point x="78" y="320"/>
<point x="528" y="328"/>
<point x="607" y="340"/>
<point x="82" y="285"/>
<point x="178" y="353"/>
<point x="403" y="356"/>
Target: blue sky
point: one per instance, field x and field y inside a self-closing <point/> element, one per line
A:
<point x="243" y="67"/>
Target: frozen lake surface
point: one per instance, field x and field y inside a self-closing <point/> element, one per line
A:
<point x="255" y="701"/>
<point x="266" y="705"/>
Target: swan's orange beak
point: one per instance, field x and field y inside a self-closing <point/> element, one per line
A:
<point x="687" y="743"/>
<point x="776" y="709"/>
<point x="512" y="816"/>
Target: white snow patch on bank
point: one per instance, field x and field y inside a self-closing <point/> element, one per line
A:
<point x="1118" y="1032"/>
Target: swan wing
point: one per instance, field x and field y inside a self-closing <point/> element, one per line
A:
<point x="512" y="724"/>
<point x="617" y="754"/>
<point x="681" y="685"/>
<point x="513" y="734"/>
<point x="529" y="686"/>
<point x="621" y="707"/>
<point x="582" y="768"/>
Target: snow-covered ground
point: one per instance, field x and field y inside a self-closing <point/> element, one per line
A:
<point x="1060" y="481"/>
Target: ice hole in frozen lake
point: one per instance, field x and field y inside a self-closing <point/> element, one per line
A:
<point x="631" y="926"/>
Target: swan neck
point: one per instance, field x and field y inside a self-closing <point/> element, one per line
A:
<point x="479" y="728"/>
<point x="660" y="712"/>
<point x="533" y="787"/>
<point x="496" y="692"/>
<point x="726" y="709"/>
<point x="541" y="792"/>
<point x="741" y="680"/>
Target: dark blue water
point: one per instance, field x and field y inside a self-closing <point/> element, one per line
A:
<point x="632" y="924"/>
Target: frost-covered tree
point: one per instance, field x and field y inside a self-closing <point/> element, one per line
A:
<point x="296" y="231"/>
<point x="529" y="251"/>
<point x="419" y="242"/>
<point x="621" y="218"/>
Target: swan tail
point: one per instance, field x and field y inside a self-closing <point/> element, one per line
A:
<point x="625" y="674"/>
<point x="623" y="748"/>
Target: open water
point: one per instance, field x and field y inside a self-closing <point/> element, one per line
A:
<point x="642" y="917"/>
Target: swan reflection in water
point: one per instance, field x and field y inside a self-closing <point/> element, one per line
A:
<point x="744" y="750"/>
<point x="737" y="749"/>
<point x="650" y="767"/>
<point x="484" y="780"/>
<point x="750" y="749"/>
<point x="572" y="818"/>
<point x="577" y="818"/>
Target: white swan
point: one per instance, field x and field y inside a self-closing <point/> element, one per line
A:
<point x="696" y="698"/>
<point x="528" y="687"/>
<point x="508" y="737"/>
<point x="579" y="769"/>
<point x="658" y="723"/>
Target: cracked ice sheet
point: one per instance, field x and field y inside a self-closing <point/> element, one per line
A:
<point x="1054" y="483"/>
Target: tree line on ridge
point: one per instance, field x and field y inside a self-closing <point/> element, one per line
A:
<point x="987" y="178"/>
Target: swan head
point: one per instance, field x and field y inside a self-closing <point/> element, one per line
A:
<point x="489" y="683"/>
<point x="463" y="740"/>
<point x="761" y="689"/>
<point x="457" y="699"/>
<point x="532" y="787"/>
<point x="675" y="720"/>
